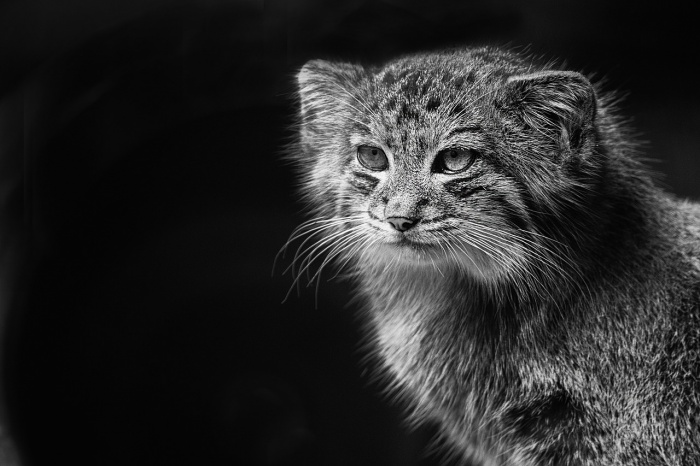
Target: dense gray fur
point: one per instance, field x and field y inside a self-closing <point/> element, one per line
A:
<point x="545" y="308"/>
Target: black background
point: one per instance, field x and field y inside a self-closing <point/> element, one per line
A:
<point x="144" y="199"/>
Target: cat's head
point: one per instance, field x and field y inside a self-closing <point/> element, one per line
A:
<point x="462" y="158"/>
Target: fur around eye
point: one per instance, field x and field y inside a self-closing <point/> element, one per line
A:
<point x="372" y="158"/>
<point x="454" y="160"/>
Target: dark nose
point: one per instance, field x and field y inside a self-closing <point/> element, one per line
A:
<point x="401" y="223"/>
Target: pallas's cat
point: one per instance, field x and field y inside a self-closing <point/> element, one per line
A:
<point x="526" y="284"/>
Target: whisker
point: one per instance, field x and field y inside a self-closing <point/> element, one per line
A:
<point x="311" y="233"/>
<point x="311" y="253"/>
<point x="305" y="229"/>
<point x="459" y="246"/>
<point x="337" y="248"/>
<point x="355" y="252"/>
<point x="319" y="234"/>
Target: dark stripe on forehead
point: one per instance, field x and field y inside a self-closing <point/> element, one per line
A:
<point x="410" y="85"/>
<point x="433" y="103"/>
<point x="469" y="79"/>
<point x="406" y="113"/>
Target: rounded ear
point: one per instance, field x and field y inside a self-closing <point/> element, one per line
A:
<point x="321" y="83"/>
<point x="558" y="104"/>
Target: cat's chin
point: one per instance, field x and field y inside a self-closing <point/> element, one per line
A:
<point x="404" y="252"/>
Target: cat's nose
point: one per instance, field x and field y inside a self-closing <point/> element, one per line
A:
<point x="401" y="223"/>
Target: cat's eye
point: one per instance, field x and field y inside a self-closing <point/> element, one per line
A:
<point x="454" y="160"/>
<point x="372" y="158"/>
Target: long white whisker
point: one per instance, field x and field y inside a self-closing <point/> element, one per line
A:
<point x="321" y="233"/>
<point x="309" y="227"/>
<point x="311" y="253"/>
<point x="311" y="230"/>
<point x="448" y="240"/>
<point x="354" y="252"/>
<point x="349" y="238"/>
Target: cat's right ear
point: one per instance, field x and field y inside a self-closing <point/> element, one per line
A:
<point x="558" y="104"/>
<point x="325" y="86"/>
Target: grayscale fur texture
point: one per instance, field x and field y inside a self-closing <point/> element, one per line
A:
<point x="544" y="308"/>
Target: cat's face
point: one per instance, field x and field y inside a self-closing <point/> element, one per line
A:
<point x="427" y="162"/>
<point x="426" y="193"/>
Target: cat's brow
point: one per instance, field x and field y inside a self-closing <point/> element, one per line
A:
<point x="465" y="129"/>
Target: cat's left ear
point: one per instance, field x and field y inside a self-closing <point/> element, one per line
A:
<point x="324" y="85"/>
<point x="558" y="104"/>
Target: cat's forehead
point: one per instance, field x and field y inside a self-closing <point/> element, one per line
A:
<point x="415" y="103"/>
<point x="418" y="78"/>
<point x="444" y="87"/>
<point x="422" y="101"/>
<point x="413" y="83"/>
<point x="455" y="71"/>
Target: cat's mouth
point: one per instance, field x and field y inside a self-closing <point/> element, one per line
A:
<point x="405" y="249"/>
<point x="415" y="240"/>
<point x="412" y="250"/>
<point x="421" y="246"/>
<point x="408" y="240"/>
<point x="401" y="240"/>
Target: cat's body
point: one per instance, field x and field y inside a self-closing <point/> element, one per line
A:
<point x="527" y="285"/>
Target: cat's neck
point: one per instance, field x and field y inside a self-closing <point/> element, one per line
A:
<point x="438" y="299"/>
<point x="440" y="336"/>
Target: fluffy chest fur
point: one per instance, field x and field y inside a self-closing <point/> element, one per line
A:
<point x="585" y="384"/>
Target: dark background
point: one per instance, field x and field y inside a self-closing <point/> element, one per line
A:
<point x="144" y="198"/>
